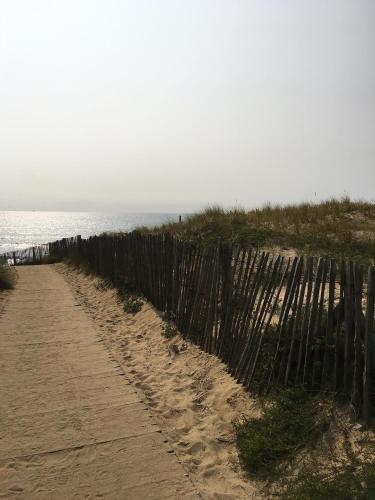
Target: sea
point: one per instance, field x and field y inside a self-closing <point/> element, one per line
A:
<point x="19" y="230"/>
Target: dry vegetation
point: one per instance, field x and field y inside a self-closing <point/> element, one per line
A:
<point x="337" y="228"/>
<point x="7" y="277"/>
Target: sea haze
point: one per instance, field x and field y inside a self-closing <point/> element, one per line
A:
<point x="20" y="230"/>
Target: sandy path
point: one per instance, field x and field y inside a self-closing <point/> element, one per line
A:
<point x="191" y="395"/>
<point x="72" y="426"/>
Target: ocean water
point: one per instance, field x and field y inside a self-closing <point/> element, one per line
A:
<point x="20" y="230"/>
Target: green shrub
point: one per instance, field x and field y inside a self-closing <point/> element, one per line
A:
<point x="7" y="277"/>
<point x="130" y="298"/>
<point x="132" y="304"/>
<point x="293" y="420"/>
<point x="169" y="329"/>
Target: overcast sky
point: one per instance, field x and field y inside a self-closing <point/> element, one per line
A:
<point x="172" y="105"/>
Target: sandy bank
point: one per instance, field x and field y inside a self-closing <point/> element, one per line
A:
<point x="193" y="398"/>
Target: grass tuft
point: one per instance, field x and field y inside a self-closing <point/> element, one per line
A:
<point x="132" y="304"/>
<point x="349" y="477"/>
<point x="169" y="328"/>
<point x="292" y="421"/>
<point x="7" y="277"/>
<point x="131" y="300"/>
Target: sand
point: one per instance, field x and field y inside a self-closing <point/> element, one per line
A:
<point x="192" y="397"/>
<point x="72" y="425"/>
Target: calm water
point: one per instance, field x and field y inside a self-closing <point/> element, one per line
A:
<point x="24" y="229"/>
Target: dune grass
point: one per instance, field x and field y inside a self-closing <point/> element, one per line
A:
<point x="346" y="477"/>
<point x="7" y="277"/>
<point x="333" y="228"/>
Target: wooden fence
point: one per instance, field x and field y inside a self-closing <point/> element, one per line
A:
<point x="273" y="320"/>
<point x="31" y="255"/>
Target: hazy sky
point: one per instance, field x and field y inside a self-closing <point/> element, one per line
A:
<point x="171" y="105"/>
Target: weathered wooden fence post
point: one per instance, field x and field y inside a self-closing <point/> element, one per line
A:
<point x="369" y="348"/>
